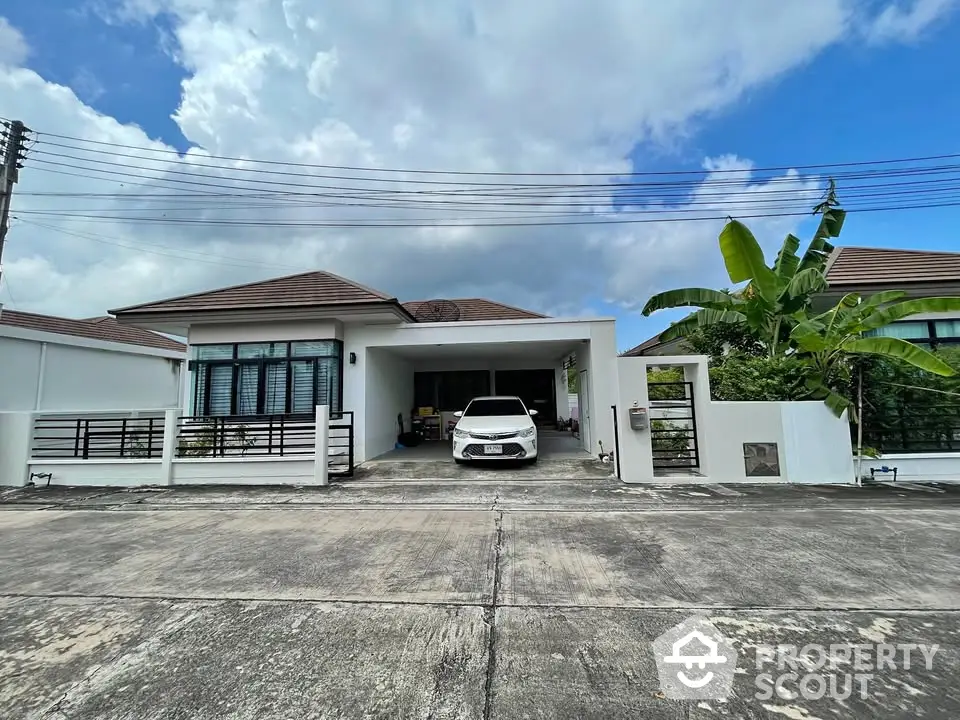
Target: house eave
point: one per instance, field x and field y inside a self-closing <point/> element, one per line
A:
<point x="179" y="322"/>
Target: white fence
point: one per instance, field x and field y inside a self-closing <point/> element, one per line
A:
<point x="162" y="448"/>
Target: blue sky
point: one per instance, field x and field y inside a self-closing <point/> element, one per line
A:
<point x="851" y="101"/>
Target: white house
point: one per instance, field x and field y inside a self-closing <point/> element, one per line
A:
<point x="59" y="364"/>
<point x="283" y="346"/>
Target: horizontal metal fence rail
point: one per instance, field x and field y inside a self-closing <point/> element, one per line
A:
<point x="279" y="435"/>
<point x="94" y="437"/>
<point x="340" y="450"/>
<point x="918" y="428"/>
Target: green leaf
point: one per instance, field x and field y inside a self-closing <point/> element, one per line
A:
<point x="900" y="350"/>
<point x="882" y="298"/>
<point x="744" y="258"/>
<point x="699" y="319"/>
<point x="908" y="308"/>
<point x="837" y="404"/>
<point x="833" y="222"/>
<point x="806" y="282"/>
<point x="687" y="297"/>
<point x="787" y="260"/>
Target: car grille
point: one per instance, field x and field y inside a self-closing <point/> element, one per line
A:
<point x="494" y="436"/>
<point x="510" y="450"/>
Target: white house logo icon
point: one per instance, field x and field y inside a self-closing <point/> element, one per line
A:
<point x="695" y="662"/>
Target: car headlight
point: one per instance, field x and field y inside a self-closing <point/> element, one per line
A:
<point x="528" y="432"/>
<point x="460" y="434"/>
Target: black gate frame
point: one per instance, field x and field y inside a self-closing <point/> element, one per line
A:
<point x="674" y="459"/>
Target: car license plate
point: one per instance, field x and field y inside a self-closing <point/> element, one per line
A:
<point x="493" y="449"/>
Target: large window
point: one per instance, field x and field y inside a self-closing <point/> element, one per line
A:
<point x="273" y="378"/>
<point x="928" y="333"/>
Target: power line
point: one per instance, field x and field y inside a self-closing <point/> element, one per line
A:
<point x="539" y="223"/>
<point x="821" y="166"/>
<point x="216" y="259"/>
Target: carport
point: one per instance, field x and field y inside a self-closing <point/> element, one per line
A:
<point x="393" y="371"/>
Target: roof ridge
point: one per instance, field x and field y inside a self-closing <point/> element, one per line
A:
<point x="355" y="284"/>
<point x="309" y="275"/>
<point x="488" y="300"/>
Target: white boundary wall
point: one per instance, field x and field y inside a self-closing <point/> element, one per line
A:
<point x="17" y="465"/>
<point x="45" y="371"/>
<point x="813" y="446"/>
<point x="930" y="467"/>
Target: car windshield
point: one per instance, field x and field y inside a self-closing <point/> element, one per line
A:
<point x="491" y="408"/>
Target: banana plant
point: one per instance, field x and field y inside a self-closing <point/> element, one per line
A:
<point x="772" y="296"/>
<point x="829" y="341"/>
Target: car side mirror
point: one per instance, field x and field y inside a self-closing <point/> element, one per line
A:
<point x="458" y="414"/>
<point x="532" y="413"/>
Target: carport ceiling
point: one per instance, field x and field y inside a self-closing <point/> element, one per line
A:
<point x="552" y="350"/>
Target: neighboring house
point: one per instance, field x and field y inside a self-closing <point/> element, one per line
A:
<point x="283" y="346"/>
<point x="61" y="364"/>
<point x="871" y="270"/>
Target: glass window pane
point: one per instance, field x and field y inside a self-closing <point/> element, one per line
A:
<point x="247" y="386"/>
<point x="212" y="352"/>
<point x="199" y="377"/>
<point x="262" y="350"/>
<point x="275" y="392"/>
<point x="948" y="329"/>
<point x="302" y="386"/>
<point x="315" y="348"/>
<point x="328" y="384"/>
<point x="913" y="330"/>
<point x="221" y="389"/>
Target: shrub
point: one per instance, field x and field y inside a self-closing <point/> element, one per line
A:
<point x="747" y="378"/>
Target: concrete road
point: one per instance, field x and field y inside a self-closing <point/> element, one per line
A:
<point x="503" y="600"/>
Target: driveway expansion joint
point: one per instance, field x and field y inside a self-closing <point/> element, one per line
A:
<point x="490" y="617"/>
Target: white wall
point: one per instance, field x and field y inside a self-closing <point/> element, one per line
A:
<point x="817" y="445"/>
<point x="244" y="471"/>
<point x="20" y="373"/>
<point x="731" y="424"/>
<point x="83" y="379"/>
<point x="603" y="384"/>
<point x="16" y="436"/>
<point x="99" y="473"/>
<point x="265" y="332"/>
<point x="930" y="467"/>
<point x="388" y="391"/>
<point x="63" y="373"/>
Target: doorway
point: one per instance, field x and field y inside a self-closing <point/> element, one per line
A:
<point x="537" y="389"/>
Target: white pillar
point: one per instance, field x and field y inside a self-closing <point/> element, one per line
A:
<point x="322" y="439"/>
<point x="16" y="441"/>
<point x="171" y="424"/>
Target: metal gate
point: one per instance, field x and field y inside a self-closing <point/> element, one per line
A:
<point x="673" y="426"/>
<point x="340" y="445"/>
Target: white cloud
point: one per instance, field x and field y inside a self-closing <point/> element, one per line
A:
<point x="496" y="85"/>
<point x="905" y="20"/>
<point x="13" y="47"/>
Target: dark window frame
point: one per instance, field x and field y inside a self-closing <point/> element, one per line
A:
<point x="201" y="406"/>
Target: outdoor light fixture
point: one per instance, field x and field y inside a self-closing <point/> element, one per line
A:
<point x="353" y="358"/>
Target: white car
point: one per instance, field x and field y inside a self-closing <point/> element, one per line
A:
<point x="495" y="428"/>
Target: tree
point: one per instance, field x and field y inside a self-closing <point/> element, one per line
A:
<point x="831" y="341"/>
<point x="773" y="295"/>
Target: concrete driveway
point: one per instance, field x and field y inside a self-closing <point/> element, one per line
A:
<point x="499" y="600"/>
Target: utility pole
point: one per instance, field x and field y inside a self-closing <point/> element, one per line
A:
<point x="11" y="143"/>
